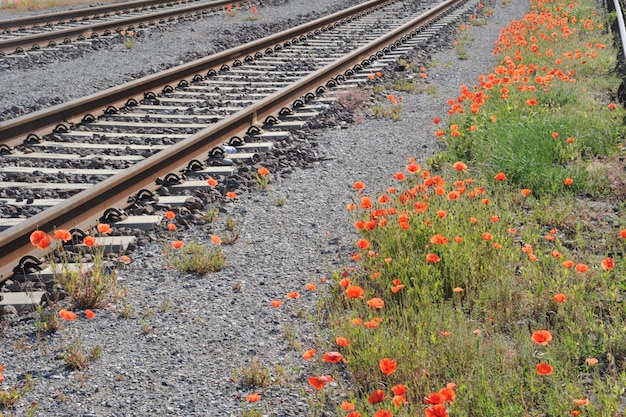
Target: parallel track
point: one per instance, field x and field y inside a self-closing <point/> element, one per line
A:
<point x="310" y="52"/>
<point x="37" y="32"/>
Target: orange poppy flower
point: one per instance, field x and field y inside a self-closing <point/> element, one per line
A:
<point x="439" y="240"/>
<point x="569" y="140"/>
<point x="559" y="298"/>
<point x="345" y="282"/>
<point x="622" y="234"/>
<point x="376" y="303"/>
<point x="231" y="194"/>
<point x="263" y="171"/>
<point x="372" y="324"/>
<point x="575" y="412"/>
<point x="446" y="333"/>
<point x="357" y="321"/>
<point x="104" y="228"/>
<point x="432" y="258"/>
<point x="276" y="303"/>
<point x="354" y="291"/>
<point x="544" y="369"/>
<point x="399" y="400"/>
<point x="89" y="314"/>
<point x="363" y="244"/>
<point x="62" y="234"/>
<point x="212" y="182"/>
<point x="308" y="354"/>
<point x="342" y="341"/>
<point x="568" y="181"/>
<point x="293" y="295"/>
<point x="568" y="264"/>
<point x="252" y="398"/>
<point x="581" y="268"/>
<point x="460" y="166"/>
<point x="170" y="215"/>
<point x="310" y="287"/>
<point x="581" y="402"/>
<point x="525" y="192"/>
<point x="457" y="239"/>
<point x="487" y="236"/>
<point x="177" y="244"/>
<point x="473" y="220"/>
<point x="318" y="382"/>
<point x="399" y="389"/>
<point x="1" y="378"/>
<point x="607" y="264"/>
<point x="216" y="239"/>
<point x="125" y="258"/>
<point x="611" y="106"/>
<point x="351" y="207"/>
<point x="485" y="201"/>
<point x="332" y="357"/>
<point x="353" y="414"/>
<point x="383" y="413"/>
<point x="67" y="315"/>
<point x="376" y="397"/>
<point x="387" y="366"/>
<point x="347" y="406"/>
<point x="441" y="214"/>
<point x="171" y="227"/>
<point x="40" y="239"/>
<point x="359" y="185"/>
<point x="438" y="410"/>
<point x="542" y="337"/>
<point x="457" y="289"/>
<point x="455" y="195"/>
<point x="435" y="398"/>
<point x="494" y="219"/>
<point x="501" y="176"/>
<point x="90" y="241"/>
<point x="399" y="176"/>
<point x="591" y="361"/>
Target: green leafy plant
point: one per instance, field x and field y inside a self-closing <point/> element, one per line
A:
<point x="196" y="258"/>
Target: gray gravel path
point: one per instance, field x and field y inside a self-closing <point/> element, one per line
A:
<point x="206" y="328"/>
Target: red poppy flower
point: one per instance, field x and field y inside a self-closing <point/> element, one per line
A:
<point x="363" y="244"/>
<point x="460" y="166"/>
<point x="171" y="227"/>
<point x="559" y="298"/>
<point x="376" y="396"/>
<point x="318" y="382"/>
<point x="354" y="291"/>
<point x="177" y="244"/>
<point x="383" y="413"/>
<point x="439" y="240"/>
<point x="399" y="400"/>
<point x="276" y="303"/>
<point x="432" y="258"/>
<point x="544" y="369"/>
<point x="263" y="171"/>
<point x="542" y="337"/>
<point x="346" y="406"/>
<point x="104" y="228"/>
<point x="376" y="303"/>
<point x="62" y="234"/>
<point x="581" y="268"/>
<point x="438" y="410"/>
<point x="487" y="236"/>
<point x="568" y="181"/>
<point x="89" y="314"/>
<point x="67" y="315"/>
<point x="90" y="241"/>
<point x="211" y="182"/>
<point x="525" y="192"/>
<point x="170" y="215"/>
<point x="358" y="185"/>
<point x="252" y="398"/>
<point x="332" y="357"/>
<point x="501" y="176"/>
<point x="342" y="341"/>
<point x="231" y="194"/>
<point x="399" y="389"/>
<point x="607" y="264"/>
<point x="387" y="366"/>
<point x="353" y="414"/>
<point x="308" y="354"/>
<point x="434" y="398"/>
<point x="293" y="295"/>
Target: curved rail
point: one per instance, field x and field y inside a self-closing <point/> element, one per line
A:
<point x="103" y="27"/>
<point x="83" y="210"/>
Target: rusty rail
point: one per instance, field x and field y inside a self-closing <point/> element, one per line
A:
<point x="83" y="210"/>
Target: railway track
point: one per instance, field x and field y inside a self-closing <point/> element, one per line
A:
<point x="36" y="33"/>
<point x="169" y="129"/>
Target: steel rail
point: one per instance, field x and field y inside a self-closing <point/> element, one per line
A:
<point x="13" y="132"/>
<point x="59" y="36"/>
<point x="83" y="210"/>
<point x="93" y="12"/>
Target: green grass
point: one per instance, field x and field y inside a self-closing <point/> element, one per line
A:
<point x="467" y="315"/>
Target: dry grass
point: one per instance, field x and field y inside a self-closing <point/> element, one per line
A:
<point x="32" y="5"/>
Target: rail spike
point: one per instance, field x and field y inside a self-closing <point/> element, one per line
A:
<point x="194" y="165"/>
<point x="32" y="139"/>
<point x="111" y="110"/>
<point x="5" y="149"/>
<point x="253" y="131"/>
<point x="236" y="141"/>
<point x="61" y="128"/>
<point x="143" y="194"/>
<point x="28" y="264"/>
<point x="112" y="215"/>
<point x="170" y="179"/>
<point x="285" y="111"/>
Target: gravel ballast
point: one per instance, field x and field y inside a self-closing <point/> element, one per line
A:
<point x="191" y="338"/>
